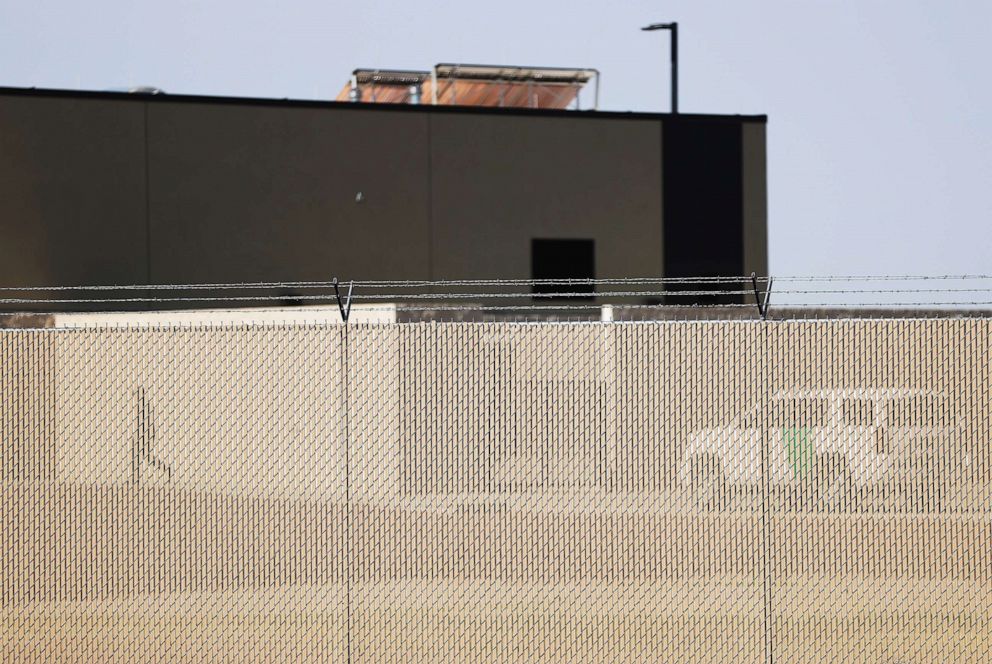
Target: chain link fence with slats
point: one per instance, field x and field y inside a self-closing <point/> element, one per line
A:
<point x="732" y="491"/>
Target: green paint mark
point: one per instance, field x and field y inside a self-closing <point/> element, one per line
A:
<point x="799" y="449"/>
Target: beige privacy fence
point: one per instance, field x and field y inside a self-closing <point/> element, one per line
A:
<point x="470" y="492"/>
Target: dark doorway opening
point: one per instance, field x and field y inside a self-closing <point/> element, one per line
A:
<point x="563" y="260"/>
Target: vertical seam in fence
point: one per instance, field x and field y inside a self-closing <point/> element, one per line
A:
<point x="347" y="484"/>
<point x="766" y="423"/>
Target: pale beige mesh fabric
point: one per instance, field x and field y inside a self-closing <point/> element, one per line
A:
<point x="615" y="492"/>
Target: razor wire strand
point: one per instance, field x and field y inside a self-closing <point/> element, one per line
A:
<point x="493" y="282"/>
<point x="788" y="308"/>
<point x="249" y="285"/>
<point x="562" y="288"/>
<point x="886" y="277"/>
<point x="423" y="296"/>
<point x="400" y="300"/>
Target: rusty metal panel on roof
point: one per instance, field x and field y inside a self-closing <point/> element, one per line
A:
<point x="470" y="85"/>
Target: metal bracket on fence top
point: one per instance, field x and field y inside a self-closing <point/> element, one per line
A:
<point x="343" y="305"/>
<point x="762" y="302"/>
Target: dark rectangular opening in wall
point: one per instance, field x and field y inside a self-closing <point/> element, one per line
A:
<point x="563" y="260"/>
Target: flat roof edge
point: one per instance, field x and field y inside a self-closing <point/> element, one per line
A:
<point x="165" y="98"/>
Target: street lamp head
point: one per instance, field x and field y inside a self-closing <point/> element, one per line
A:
<point x="674" y="27"/>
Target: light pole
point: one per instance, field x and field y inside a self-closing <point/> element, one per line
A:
<point x="674" y="27"/>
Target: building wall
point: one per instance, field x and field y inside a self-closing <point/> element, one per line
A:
<point x="72" y="191"/>
<point x="110" y="188"/>
<point x="499" y="182"/>
<point x="263" y="193"/>
<point x="754" y="200"/>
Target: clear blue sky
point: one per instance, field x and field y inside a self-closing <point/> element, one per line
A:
<point x="880" y="113"/>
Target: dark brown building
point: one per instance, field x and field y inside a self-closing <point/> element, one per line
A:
<point x="100" y="188"/>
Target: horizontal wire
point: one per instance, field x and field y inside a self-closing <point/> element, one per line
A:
<point x="494" y="282"/>
<point x="125" y="300"/>
<point x="400" y="299"/>
<point x="843" y="291"/>
<point x="932" y="277"/>
<point x="542" y="307"/>
<point x="463" y="296"/>
<point x="448" y="297"/>
<point x="810" y="310"/>
<point x="489" y="282"/>
<point x="423" y="296"/>
<point x="452" y="295"/>
<point x="443" y="307"/>
<point x="599" y="294"/>
<point x="535" y="307"/>
<point x="214" y="286"/>
<point x="602" y="294"/>
<point x="538" y="282"/>
<point x="386" y="284"/>
<point x="883" y="305"/>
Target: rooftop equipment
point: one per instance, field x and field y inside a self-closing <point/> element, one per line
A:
<point x="474" y="85"/>
<point x="385" y="86"/>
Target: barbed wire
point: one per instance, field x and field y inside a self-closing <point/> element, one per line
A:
<point x="251" y="285"/>
<point x="785" y="311"/>
<point x="470" y="294"/>
<point x="564" y="282"/>
<point x="931" y="277"/>
<point x="403" y="297"/>
<point x="442" y="297"/>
